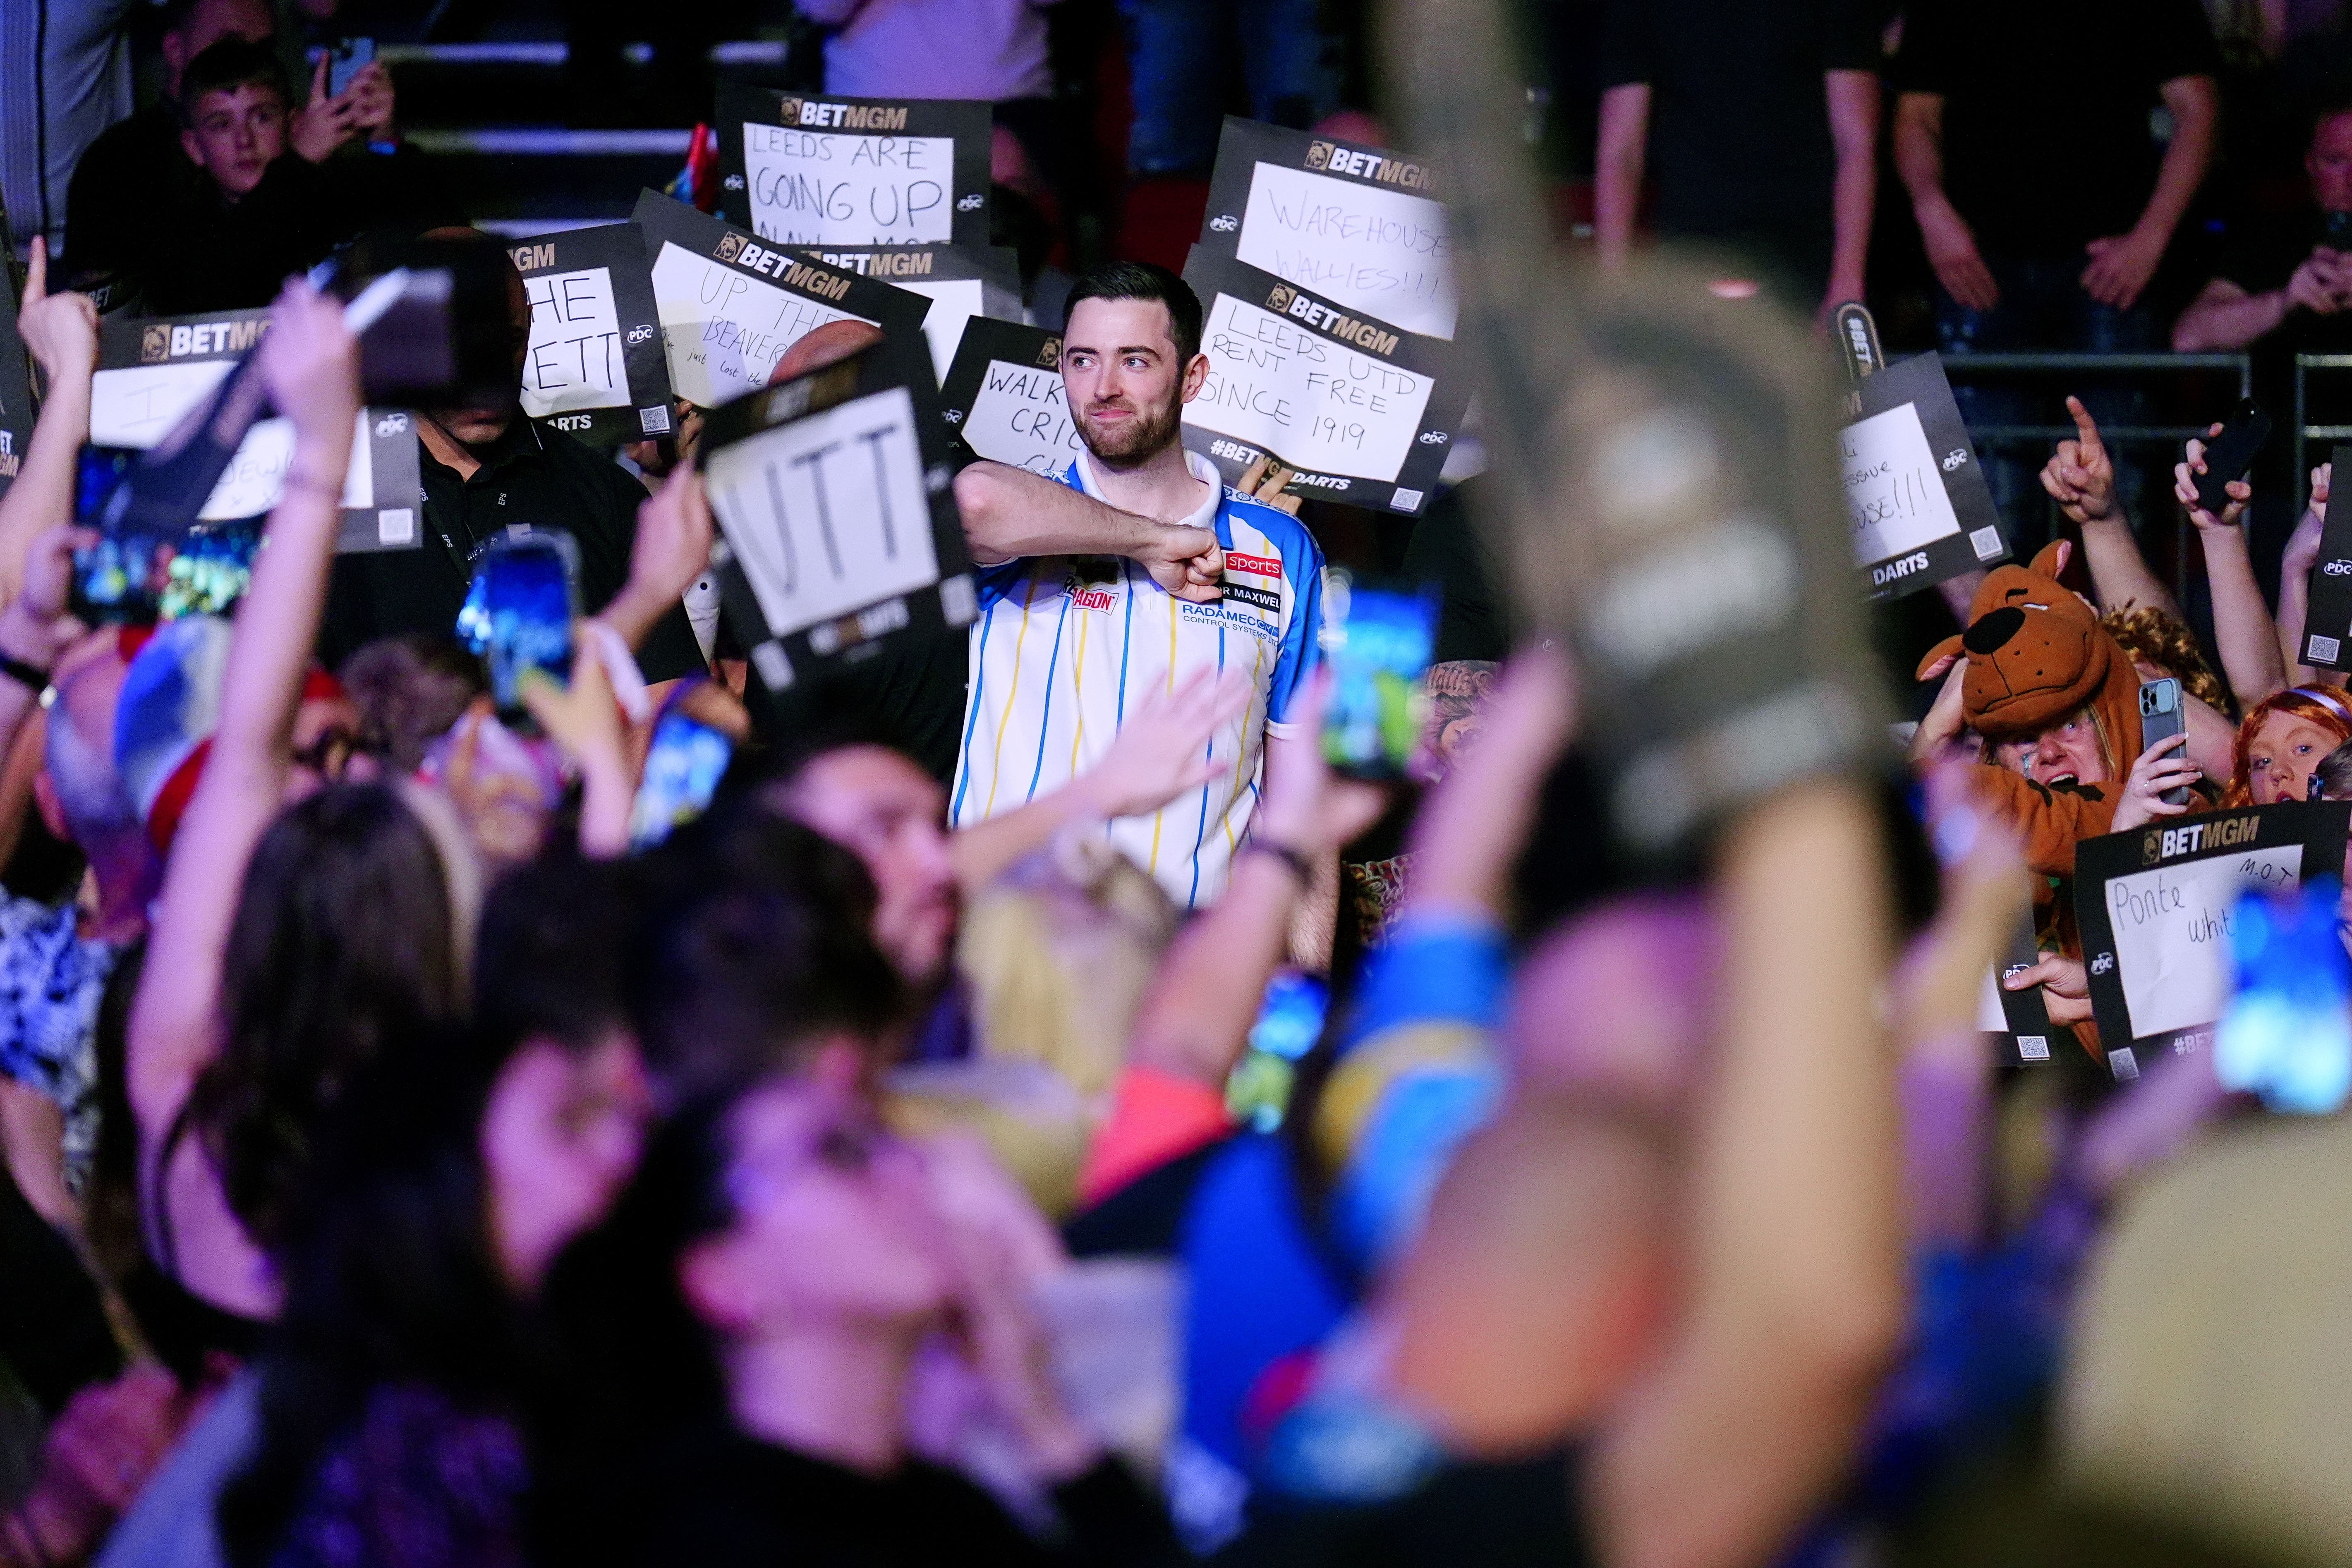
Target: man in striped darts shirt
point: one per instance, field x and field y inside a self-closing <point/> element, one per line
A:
<point x="1134" y="571"/>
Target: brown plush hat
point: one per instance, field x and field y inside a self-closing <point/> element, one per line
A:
<point x="2037" y="654"/>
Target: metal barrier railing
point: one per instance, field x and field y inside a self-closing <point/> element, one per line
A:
<point x="2306" y="432"/>
<point x="2084" y="367"/>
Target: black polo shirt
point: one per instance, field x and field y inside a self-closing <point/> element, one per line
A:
<point x="531" y="476"/>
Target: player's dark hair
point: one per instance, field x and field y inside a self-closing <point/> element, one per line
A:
<point x="228" y="65"/>
<point x="1144" y="281"/>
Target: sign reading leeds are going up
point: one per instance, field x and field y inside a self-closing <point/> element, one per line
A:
<point x="854" y="170"/>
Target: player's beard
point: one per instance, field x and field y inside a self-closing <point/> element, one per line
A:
<point x="1145" y="434"/>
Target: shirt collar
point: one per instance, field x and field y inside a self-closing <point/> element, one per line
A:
<point x="521" y="438"/>
<point x="1199" y="467"/>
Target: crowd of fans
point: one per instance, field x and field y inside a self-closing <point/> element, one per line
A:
<point x="406" y="1160"/>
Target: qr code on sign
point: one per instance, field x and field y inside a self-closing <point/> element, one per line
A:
<point x="1986" y="543"/>
<point x="2324" y="649"/>
<point x="1405" y="501"/>
<point x="2033" y="1048"/>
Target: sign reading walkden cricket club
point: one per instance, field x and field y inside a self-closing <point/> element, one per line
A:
<point x="151" y="372"/>
<point x="853" y="170"/>
<point x="836" y="500"/>
<point x="1363" y="410"/>
<point x="1004" y="396"/>
<point x="730" y="304"/>
<point x="1361" y="227"/>
<point x="594" y="367"/>
<point x="2157" y="904"/>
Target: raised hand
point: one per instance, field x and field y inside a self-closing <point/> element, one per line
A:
<point x="1189" y="562"/>
<point x="323" y="123"/>
<point x="1307" y="807"/>
<point x="1266" y="481"/>
<point x="2066" y="987"/>
<point x="672" y="548"/>
<point x="2080" y="475"/>
<point x="2301" y="551"/>
<point x="371" y="94"/>
<point x="2120" y="267"/>
<point x="60" y="330"/>
<point x="2184" y="489"/>
<point x="1952" y="252"/>
<point x="2318" y="285"/>
<point x="2163" y="766"/>
<point x="1162" y="750"/>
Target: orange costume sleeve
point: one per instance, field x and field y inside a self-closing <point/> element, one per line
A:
<point x="2048" y="822"/>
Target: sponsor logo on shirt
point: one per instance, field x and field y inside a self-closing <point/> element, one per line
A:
<point x="1254" y="566"/>
<point x="1087" y="598"/>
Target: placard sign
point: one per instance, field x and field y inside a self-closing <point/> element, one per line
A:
<point x="1362" y="226"/>
<point x="835" y="495"/>
<point x="853" y="170"/>
<point x="594" y="367"/>
<point x="151" y="372"/>
<point x="959" y="284"/>
<point x="1361" y="409"/>
<point x="729" y="306"/>
<point x="2021" y="1018"/>
<point x="1916" y="497"/>
<point x="2328" y="622"/>
<point x="1004" y="396"/>
<point x="2155" y="904"/>
<point x="15" y="391"/>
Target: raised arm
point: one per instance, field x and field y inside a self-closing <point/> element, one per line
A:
<point x="1009" y="514"/>
<point x="1951" y="245"/>
<point x="2081" y="477"/>
<point x="1795" y="1262"/>
<point x="1196" y="1015"/>
<point x="2241" y="622"/>
<point x="2302" y="553"/>
<point x="310" y="364"/>
<point x="1854" y="131"/>
<point x="1162" y="753"/>
<point x="1617" y="164"/>
<point x="60" y="331"/>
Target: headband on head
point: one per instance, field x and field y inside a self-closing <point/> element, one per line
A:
<point x="2326" y="698"/>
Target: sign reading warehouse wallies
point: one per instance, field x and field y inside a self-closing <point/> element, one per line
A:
<point x="1363" y="410"/>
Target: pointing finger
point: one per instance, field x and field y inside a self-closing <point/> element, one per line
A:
<point x="36" y="276"/>
<point x="2086" y="428"/>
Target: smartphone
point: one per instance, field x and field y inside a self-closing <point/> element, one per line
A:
<point x="2160" y="717"/>
<point x="2286" y="1034"/>
<point x="345" y="59"/>
<point x="683" y="768"/>
<point x="1377" y="639"/>
<point x="518" y="613"/>
<point x="2229" y="455"/>
<point x="138" y="576"/>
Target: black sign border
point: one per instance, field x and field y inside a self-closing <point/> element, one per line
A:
<point x="2329" y="600"/>
<point x="969" y="121"/>
<point x="393" y="464"/>
<point x="621" y="248"/>
<point x="2319" y="826"/>
<point x="944" y="608"/>
<point x="1440" y="418"/>
<point x="985" y="342"/>
<point x="1920" y="381"/>
<point x="18" y="414"/>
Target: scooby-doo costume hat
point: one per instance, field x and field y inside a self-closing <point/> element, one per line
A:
<point x="2036" y="654"/>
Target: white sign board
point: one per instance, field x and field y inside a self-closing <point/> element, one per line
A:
<point x="138" y="405"/>
<point x="575" y="360"/>
<point x="2171" y="930"/>
<point x="817" y="187"/>
<point x="1321" y="404"/>
<point x="726" y="329"/>
<point x="828" y="513"/>
<point x="1380" y="251"/>
<point x="1895" y="493"/>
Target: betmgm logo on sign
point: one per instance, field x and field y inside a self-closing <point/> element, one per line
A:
<point x="810" y="112"/>
<point x="162" y="340"/>
<point x="2159" y="843"/>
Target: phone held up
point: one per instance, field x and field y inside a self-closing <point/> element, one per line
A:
<point x="2229" y="456"/>
<point x="346" y="57"/>
<point x="518" y="613"/>
<point x="137" y="576"/>
<point x="1377" y="639"/>
<point x="2160" y="718"/>
<point x="683" y="767"/>
<point x="2287" y="1033"/>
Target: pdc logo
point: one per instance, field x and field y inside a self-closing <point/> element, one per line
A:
<point x="154" y="344"/>
<point x="1279" y="300"/>
<point x="1319" y="155"/>
<point x="729" y="247"/>
<point x="1049" y="353"/>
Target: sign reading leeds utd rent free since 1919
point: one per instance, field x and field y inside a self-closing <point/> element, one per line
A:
<point x="1361" y="409"/>
<point x="594" y="366"/>
<point x="853" y="170"/>
<point x="1361" y="227"/>
<point x="730" y="305"/>
<point x="1917" y="503"/>
<point x="1004" y="396"/>
<point x="2155" y="905"/>
<point x="836" y="499"/>
<point x="150" y="372"/>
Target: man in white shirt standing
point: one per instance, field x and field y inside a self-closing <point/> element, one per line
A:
<point x="1139" y="570"/>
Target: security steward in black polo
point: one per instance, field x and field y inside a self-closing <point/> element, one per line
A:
<point x="485" y="470"/>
